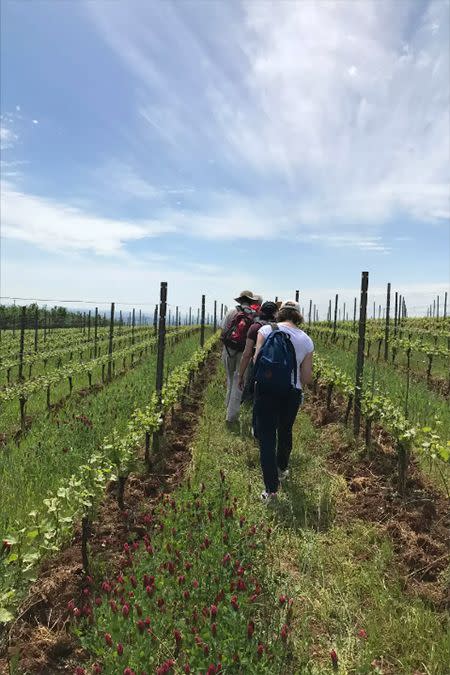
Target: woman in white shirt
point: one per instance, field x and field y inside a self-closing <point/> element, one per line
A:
<point x="274" y="413"/>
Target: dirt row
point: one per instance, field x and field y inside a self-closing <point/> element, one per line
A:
<point x="418" y="524"/>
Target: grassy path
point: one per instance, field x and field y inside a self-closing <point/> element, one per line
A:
<point x="345" y="583"/>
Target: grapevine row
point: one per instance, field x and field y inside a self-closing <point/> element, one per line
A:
<point x="77" y="497"/>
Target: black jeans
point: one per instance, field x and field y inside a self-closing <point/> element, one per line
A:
<point x="274" y="416"/>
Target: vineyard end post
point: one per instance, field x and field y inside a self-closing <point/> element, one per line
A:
<point x="360" y="354"/>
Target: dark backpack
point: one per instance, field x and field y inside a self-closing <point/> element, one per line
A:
<point x="276" y="363"/>
<point x="235" y="334"/>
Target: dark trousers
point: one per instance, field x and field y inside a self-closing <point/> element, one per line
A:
<point x="274" y="417"/>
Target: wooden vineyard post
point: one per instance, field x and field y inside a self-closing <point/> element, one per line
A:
<point x="336" y="300"/>
<point x="386" y="329"/>
<point x="309" y="313"/>
<point x="395" y="313"/>
<point x="221" y="311"/>
<point x="155" y="320"/>
<point x="140" y="317"/>
<point x="343" y="312"/>
<point x="215" y="316"/>
<point x="45" y="325"/>
<point x="23" y="316"/>
<point x="89" y="325"/>
<point x="354" y="314"/>
<point x="445" y="304"/>
<point x="198" y="316"/>
<point x="202" y="325"/>
<point x="314" y="313"/>
<point x="176" y="316"/>
<point x="95" y="332"/>
<point x="22" y="399"/>
<point x="159" y="368"/>
<point x="329" y="313"/>
<point x="297" y="296"/>
<point x="360" y="355"/>
<point x="437" y="307"/>
<point x="110" y="345"/>
<point x="190" y="316"/>
<point x="36" y="329"/>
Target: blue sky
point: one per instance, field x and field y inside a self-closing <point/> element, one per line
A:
<point x="224" y="145"/>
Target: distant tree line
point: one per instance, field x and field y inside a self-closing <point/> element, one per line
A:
<point x="54" y="317"/>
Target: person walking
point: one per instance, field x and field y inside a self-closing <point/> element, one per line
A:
<point x="283" y="366"/>
<point x="246" y="381"/>
<point x="234" y="334"/>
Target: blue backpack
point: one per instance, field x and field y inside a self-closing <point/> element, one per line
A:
<point x="276" y="363"/>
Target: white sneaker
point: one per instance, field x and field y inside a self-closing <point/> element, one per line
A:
<point x="267" y="497"/>
<point x="282" y="475"/>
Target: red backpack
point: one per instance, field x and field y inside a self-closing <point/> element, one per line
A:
<point x="235" y="334"/>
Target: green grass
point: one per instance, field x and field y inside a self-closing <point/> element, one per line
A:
<point x="58" y="443"/>
<point x="343" y="576"/>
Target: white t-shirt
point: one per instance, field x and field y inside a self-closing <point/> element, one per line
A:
<point x="303" y="344"/>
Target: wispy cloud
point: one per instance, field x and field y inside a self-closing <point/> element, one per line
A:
<point x="7" y="138"/>
<point x="55" y="226"/>
<point x="340" y="109"/>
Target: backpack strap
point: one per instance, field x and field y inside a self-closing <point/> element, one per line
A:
<point x="291" y="347"/>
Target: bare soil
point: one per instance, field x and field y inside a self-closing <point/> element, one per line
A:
<point x="418" y="524"/>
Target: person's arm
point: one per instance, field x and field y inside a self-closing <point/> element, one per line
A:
<point x="306" y="369"/>
<point x="259" y="343"/>
<point x="245" y="360"/>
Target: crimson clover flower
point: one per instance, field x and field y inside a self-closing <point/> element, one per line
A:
<point x="334" y="659"/>
<point x="250" y="629"/>
<point x="120" y="649"/>
<point x="178" y="637"/>
<point x="234" y="602"/>
<point x="284" y="632"/>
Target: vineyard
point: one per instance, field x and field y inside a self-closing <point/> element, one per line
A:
<point x="133" y="540"/>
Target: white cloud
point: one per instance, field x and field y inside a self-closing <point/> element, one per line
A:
<point x="57" y="227"/>
<point x="35" y="121"/>
<point x="7" y="137"/>
<point x="324" y="102"/>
